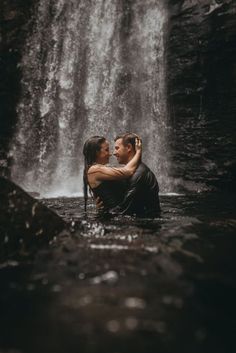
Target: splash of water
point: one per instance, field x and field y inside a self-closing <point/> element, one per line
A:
<point x="90" y="67"/>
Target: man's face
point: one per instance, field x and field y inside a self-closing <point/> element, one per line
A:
<point x="121" y="152"/>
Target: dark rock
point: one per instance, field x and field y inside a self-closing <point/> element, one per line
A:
<point x="15" y="24"/>
<point x="201" y="74"/>
<point x="34" y="194"/>
<point x="24" y="222"/>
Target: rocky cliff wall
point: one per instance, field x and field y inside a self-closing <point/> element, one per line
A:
<point x="201" y="75"/>
<point x="15" y="21"/>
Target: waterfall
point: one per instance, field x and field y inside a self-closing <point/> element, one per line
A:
<point x="89" y="67"/>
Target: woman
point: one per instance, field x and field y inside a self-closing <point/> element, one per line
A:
<point x="100" y="178"/>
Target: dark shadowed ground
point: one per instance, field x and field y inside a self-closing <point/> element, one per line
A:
<point x="127" y="285"/>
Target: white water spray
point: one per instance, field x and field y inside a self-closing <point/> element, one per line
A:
<point x="90" y="67"/>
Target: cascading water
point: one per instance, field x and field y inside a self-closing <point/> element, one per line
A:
<point x="89" y="67"/>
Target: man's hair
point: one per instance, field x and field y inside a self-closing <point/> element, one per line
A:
<point x="129" y="137"/>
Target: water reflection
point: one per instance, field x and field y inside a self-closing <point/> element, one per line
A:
<point x="166" y="284"/>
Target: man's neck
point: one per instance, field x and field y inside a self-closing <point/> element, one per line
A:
<point x="130" y="157"/>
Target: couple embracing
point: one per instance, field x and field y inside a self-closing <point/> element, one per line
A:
<point x="130" y="190"/>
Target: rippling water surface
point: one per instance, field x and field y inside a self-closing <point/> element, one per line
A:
<point x="127" y="285"/>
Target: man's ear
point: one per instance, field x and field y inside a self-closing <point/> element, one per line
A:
<point x="129" y="147"/>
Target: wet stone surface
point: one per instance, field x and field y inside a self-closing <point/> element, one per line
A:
<point x="127" y="285"/>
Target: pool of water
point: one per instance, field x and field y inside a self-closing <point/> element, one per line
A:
<point x="127" y="285"/>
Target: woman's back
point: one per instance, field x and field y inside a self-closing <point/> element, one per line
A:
<point x="110" y="192"/>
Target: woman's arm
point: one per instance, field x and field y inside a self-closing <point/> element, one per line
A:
<point x="99" y="172"/>
<point x="133" y="163"/>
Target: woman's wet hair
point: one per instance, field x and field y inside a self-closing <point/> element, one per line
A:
<point x="90" y="150"/>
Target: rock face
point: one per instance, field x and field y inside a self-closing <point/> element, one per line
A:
<point x="24" y="222"/>
<point x="201" y="59"/>
<point x="15" y="20"/>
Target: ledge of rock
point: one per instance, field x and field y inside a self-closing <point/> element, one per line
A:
<point x="25" y="223"/>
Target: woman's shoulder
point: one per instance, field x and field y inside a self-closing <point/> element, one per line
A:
<point x="94" y="168"/>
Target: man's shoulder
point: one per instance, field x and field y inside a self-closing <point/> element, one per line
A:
<point x="140" y="172"/>
<point x="142" y="168"/>
<point x="145" y="174"/>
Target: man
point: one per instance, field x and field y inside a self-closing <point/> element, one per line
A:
<point x="141" y="197"/>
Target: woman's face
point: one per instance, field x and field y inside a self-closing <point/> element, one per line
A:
<point x="104" y="154"/>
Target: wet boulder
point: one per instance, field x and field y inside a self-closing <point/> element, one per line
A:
<point x="25" y="223"/>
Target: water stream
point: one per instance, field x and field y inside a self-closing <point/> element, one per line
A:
<point x="90" y="67"/>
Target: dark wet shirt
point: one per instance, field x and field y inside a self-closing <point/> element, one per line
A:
<point x="111" y="193"/>
<point x="141" y="198"/>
